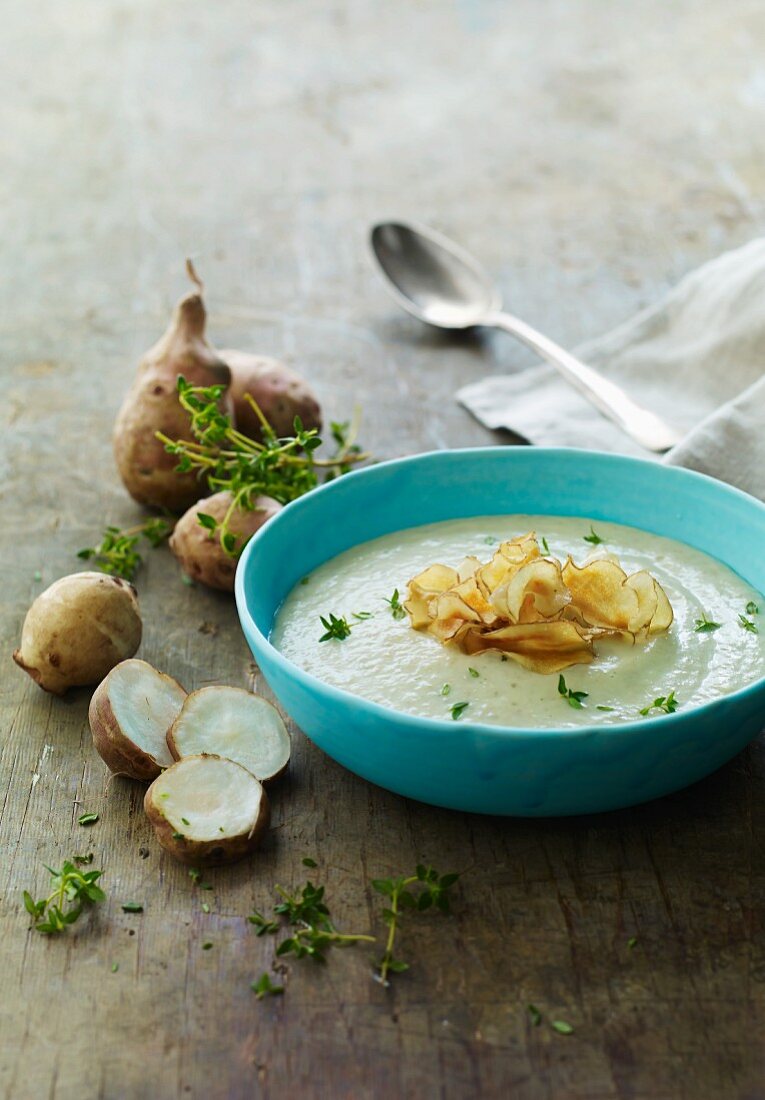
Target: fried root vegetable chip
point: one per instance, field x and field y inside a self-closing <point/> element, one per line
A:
<point x="541" y="614"/>
<point x="542" y="646"/>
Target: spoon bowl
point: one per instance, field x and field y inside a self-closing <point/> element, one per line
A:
<point x="433" y="278"/>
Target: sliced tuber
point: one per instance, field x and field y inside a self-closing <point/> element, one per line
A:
<point x="279" y="392"/>
<point x="79" y="629"/>
<point x="236" y="724"/>
<point x="152" y="406"/>
<point x="206" y="809"/>
<point x="199" y="549"/>
<point x="130" y="714"/>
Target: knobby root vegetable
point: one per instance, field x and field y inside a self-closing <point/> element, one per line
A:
<point x="236" y="724"/>
<point x="79" y="629"/>
<point x="130" y="714"/>
<point x="206" y="809"/>
<point x="152" y="406"/>
<point x="279" y="392"/>
<point x="199" y="549"/>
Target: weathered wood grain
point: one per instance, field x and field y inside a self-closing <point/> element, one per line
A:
<point x="590" y="153"/>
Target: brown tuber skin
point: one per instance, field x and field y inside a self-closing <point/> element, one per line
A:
<point x="77" y="630"/>
<point x="118" y="751"/>
<point x="202" y="853"/>
<point x="152" y="406"/>
<point x="199" y="550"/>
<point x="278" y="391"/>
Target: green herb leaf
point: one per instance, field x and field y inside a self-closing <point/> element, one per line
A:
<point x="446" y="689"/>
<point x="631" y="942"/>
<point x="545" y="547"/>
<point x="748" y="624"/>
<point x="457" y="709"/>
<point x="71" y="891"/>
<point x="87" y="819"/>
<point x="573" y="698"/>
<point x="474" y="672"/>
<point x="115" y="967"/>
<point x="396" y="607"/>
<point x="412" y="893"/>
<point x="264" y="987"/>
<point x="752" y="608"/>
<point x="339" y="629"/>
<point x="132" y="907"/>
<point x="668" y="704"/>
<point x="204" y="520"/>
<point x="593" y="538"/>
<point x="561" y="1027"/>
<point x="534" y="1014"/>
<point x="600" y="706"/>
<point x="308" y="862"/>
<point x="705" y="625"/>
<point x="362" y="615"/>
<point x="206" y="946"/>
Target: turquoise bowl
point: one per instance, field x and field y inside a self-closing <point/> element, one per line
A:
<point x="497" y="769"/>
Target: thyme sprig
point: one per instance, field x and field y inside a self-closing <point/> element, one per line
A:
<point x="573" y="698"/>
<point x="668" y="704"/>
<point x="116" y="553"/>
<point x="705" y="625"/>
<point x="396" y="607"/>
<point x="334" y="627"/>
<point x="314" y="931"/>
<point x="281" y="468"/>
<point x="430" y="889"/>
<point x="72" y="890"/>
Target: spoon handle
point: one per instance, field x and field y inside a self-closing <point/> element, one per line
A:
<point x="647" y="429"/>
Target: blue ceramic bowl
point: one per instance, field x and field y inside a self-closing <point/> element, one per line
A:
<point x="493" y="769"/>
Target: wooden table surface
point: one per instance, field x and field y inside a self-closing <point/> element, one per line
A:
<point x="590" y="153"/>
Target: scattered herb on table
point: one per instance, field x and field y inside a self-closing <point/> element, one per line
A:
<point x="72" y="891"/>
<point x="534" y="1015"/>
<point x="397" y="609"/>
<point x="264" y="987"/>
<point x="632" y="942"/>
<point x="115" y="967"/>
<point x="561" y="1027"/>
<point x="748" y="624"/>
<point x="339" y="629"/>
<point x="205" y="907"/>
<point x="593" y="538"/>
<point x="263" y="926"/>
<point x="87" y="819"/>
<point x="457" y="709"/>
<point x="207" y="946"/>
<point x="705" y="625"/>
<point x="308" y="862"/>
<point x="666" y="703"/>
<point x="281" y="468"/>
<point x="573" y="698"/>
<point x="83" y="861"/>
<point x="116" y="553"/>
<point x="132" y="907"/>
<point x="752" y="608"/>
<point x="314" y="931"/>
<point x="431" y="889"/>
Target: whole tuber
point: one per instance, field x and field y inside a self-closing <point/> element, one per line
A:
<point x="78" y="630"/>
<point x="199" y="549"/>
<point x="278" y="391"/>
<point x="152" y="406"/>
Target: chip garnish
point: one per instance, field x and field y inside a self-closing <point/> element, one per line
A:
<point x="541" y="613"/>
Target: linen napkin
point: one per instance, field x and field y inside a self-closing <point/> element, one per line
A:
<point x="697" y="358"/>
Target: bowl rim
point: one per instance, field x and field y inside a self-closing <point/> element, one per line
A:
<point x="437" y="727"/>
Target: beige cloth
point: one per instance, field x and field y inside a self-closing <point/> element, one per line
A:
<point x="697" y="358"/>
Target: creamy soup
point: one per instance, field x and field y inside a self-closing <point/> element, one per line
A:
<point x="383" y="659"/>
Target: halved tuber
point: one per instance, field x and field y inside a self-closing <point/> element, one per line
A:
<point x="205" y="809"/>
<point x="236" y="724"/>
<point x="279" y="392"/>
<point x="199" y="549"/>
<point x="79" y="629"/>
<point x="130" y="714"/>
<point x="152" y="406"/>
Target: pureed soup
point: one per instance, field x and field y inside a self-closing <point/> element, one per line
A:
<point x="712" y="647"/>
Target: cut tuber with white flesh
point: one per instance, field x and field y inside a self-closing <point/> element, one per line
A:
<point x="206" y="809"/>
<point x="79" y="629"/>
<point x="130" y="714"/>
<point x="236" y="724"/>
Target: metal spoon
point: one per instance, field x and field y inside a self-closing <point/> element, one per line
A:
<point x="441" y="284"/>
